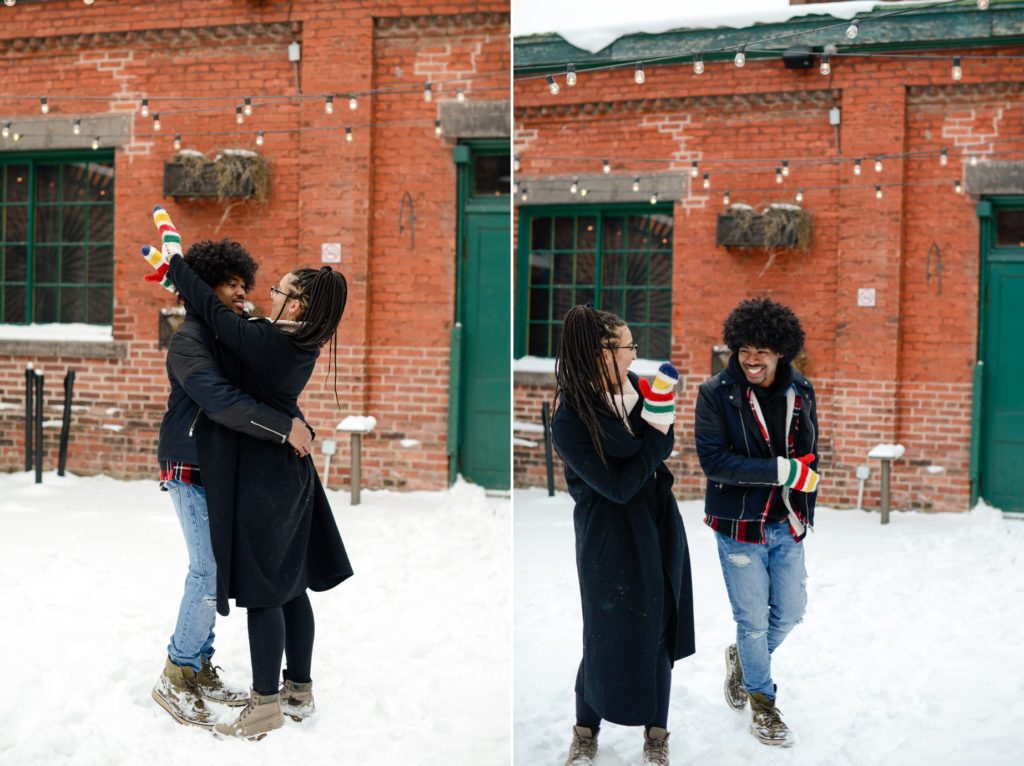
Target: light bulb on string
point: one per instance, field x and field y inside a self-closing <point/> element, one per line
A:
<point x="515" y="187"/>
<point x="694" y="169"/>
<point x="96" y="143"/>
<point x="76" y="127"/>
<point x="437" y="128"/>
<point x="606" y="167"/>
<point x="878" y="192"/>
<point x="88" y="2"/>
<point x="9" y="3"/>
<point x="740" y="59"/>
<point x="957" y="187"/>
<point x="348" y="134"/>
<point x="706" y="182"/>
<point x="144" y="108"/>
<point x="957" y="72"/>
<point x="983" y="5"/>
<point x="353" y="103"/>
<point x="698" y="63"/>
<point x="177" y="141"/>
<point x="853" y="30"/>
<point x="878" y="164"/>
<point x="636" y="184"/>
<point x="638" y="73"/>
<point x="5" y="131"/>
<point x="329" y="105"/>
<point x="44" y="105"/>
<point x="826" y="67"/>
<point x="16" y="136"/>
<point x="247" y="106"/>
<point x="574" y="186"/>
<point x="785" y="167"/>
<point x="974" y="160"/>
<point x="799" y="195"/>
<point x="516" y="163"/>
<point x="156" y="121"/>
<point x="570" y="74"/>
<point x="239" y="116"/>
<point x="943" y="156"/>
<point x="584" y="191"/>
<point x="259" y="138"/>
<point x="778" y="175"/>
<point x="654" y="198"/>
<point x="725" y="198"/>
<point x="460" y="96"/>
<point x="856" y="167"/>
<point x="552" y="85"/>
<point x="428" y="93"/>
<point x="525" y="195"/>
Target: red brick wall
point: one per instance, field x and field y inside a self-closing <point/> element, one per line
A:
<point x="393" y="341"/>
<point x="897" y="372"/>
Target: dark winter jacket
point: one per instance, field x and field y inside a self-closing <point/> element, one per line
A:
<point x="201" y="373"/>
<point x="631" y="555"/>
<point x="741" y="472"/>
<point x="271" y="526"/>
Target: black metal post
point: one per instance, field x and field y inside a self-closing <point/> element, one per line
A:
<point x="548" y="462"/>
<point x="65" y="426"/>
<point x="30" y="382"/>
<point x="39" y="428"/>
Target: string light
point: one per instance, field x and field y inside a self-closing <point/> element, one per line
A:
<point x="76" y="127"/>
<point x="856" y="167"/>
<point x="259" y="138"/>
<point x="698" y="63"/>
<point x="584" y="191"/>
<point x="778" y="175"/>
<point x="239" y="117"/>
<point x="353" y="104"/>
<point x="725" y="198"/>
<point x="144" y="109"/>
<point x="16" y="136"/>
<point x="460" y="96"/>
<point x="9" y="3"/>
<point x="525" y="195"/>
<point x="740" y="59"/>
<point x="957" y="187"/>
<point x="552" y="85"/>
<point x="694" y="169"/>
<point x="516" y="163"/>
<point x="177" y="142"/>
<point x="799" y="195"/>
<point x="707" y="181"/>
<point x="853" y="30"/>
<point x="785" y="167"/>
<point x="44" y="106"/>
<point x="5" y="131"/>
<point x="878" y="164"/>
<point x="826" y="67"/>
<point x="96" y="143"/>
<point x="515" y="187"/>
<point x="982" y="5"/>
<point x="329" y="105"/>
<point x="348" y="134"/>
<point x="974" y="160"/>
<point x="957" y="72"/>
<point x="437" y="127"/>
<point x="428" y="93"/>
<point x="636" y="184"/>
<point x="878" y="192"/>
<point x="247" y="106"/>
<point x="654" y="198"/>
<point x="156" y="121"/>
<point x="638" y="73"/>
<point x="570" y="74"/>
<point x="574" y="186"/>
<point x="943" y="157"/>
<point x="606" y="167"/>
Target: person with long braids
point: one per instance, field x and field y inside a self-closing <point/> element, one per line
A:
<point x="613" y="431"/>
<point x="271" y="527"/>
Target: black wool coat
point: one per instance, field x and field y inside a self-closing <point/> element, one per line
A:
<point x="271" y="526"/>
<point x="632" y="559"/>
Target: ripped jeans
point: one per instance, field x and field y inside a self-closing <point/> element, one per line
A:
<point x="193" y="633"/>
<point x="767" y="587"/>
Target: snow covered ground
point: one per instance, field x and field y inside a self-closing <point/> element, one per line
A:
<point x="910" y="653"/>
<point x="412" y="656"/>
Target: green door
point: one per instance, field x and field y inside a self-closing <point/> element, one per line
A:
<point x="483" y="451"/>
<point x="1002" y="352"/>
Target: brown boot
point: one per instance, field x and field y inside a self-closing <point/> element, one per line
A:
<point x="260" y="715"/>
<point x="656" y="747"/>
<point x="297" y="700"/>
<point x="766" y="722"/>
<point x="215" y="690"/>
<point x="735" y="694"/>
<point x="177" y="692"/>
<point x="583" y="750"/>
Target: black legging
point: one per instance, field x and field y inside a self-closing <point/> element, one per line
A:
<point x="277" y="630"/>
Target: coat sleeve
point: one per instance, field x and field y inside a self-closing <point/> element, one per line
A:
<point x="717" y="458"/>
<point x="619" y="481"/>
<point x="247" y="339"/>
<point x="194" y="367"/>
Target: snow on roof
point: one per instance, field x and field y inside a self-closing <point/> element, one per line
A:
<point x="70" y="331"/>
<point x="593" y="26"/>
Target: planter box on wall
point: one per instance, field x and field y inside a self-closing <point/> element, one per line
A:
<point x="729" y="233"/>
<point x="778" y="227"/>
<point x="178" y="183"/>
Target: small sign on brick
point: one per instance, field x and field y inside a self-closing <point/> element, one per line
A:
<point x="330" y="252"/>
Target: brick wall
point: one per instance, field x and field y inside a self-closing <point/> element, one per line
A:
<point x="392" y="346"/>
<point x="896" y="372"/>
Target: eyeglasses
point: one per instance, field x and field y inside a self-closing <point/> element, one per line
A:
<point x="279" y="291"/>
<point x="635" y="347"/>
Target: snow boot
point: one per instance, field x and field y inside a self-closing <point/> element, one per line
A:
<point x="656" y="747"/>
<point x="583" y="750"/>
<point x="260" y="715"/>
<point x="177" y="692"/>
<point x="297" y="700"/>
<point x="735" y="694"/>
<point x="766" y="722"/>
<point x="215" y="690"/>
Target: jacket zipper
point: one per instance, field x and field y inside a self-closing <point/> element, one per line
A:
<point x="195" y="420"/>
<point x="284" y="437"/>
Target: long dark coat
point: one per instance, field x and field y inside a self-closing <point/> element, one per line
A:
<point x="271" y="526"/>
<point x="631" y="555"/>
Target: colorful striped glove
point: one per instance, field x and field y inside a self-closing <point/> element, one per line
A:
<point x="160" y="259"/>
<point x="160" y="262"/>
<point x="797" y="473"/>
<point x="660" y="399"/>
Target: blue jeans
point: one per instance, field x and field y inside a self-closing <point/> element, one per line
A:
<point x="767" y="587"/>
<point x="193" y="633"/>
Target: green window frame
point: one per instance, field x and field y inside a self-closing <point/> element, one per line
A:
<point x="57" y="237"/>
<point x="616" y="257"/>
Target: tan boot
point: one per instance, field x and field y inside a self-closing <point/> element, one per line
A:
<point x="177" y="692"/>
<point x="656" y="747"/>
<point x="260" y="715"/>
<point x="735" y="694"/>
<point x="766" y="722"/>
<point x="583" y="750"/>
<point x="297" y="700"/>
<point x="215" y="690"/>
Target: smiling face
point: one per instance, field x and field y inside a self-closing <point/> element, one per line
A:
<point x="232" y="293"/>
<point x="758" y="365"/>
<point x="618" y="354"/>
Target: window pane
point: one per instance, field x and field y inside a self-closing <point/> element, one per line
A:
<point x="48" y="183"/>
<point x="492" y="175"/>
<point x="659" y="343"/>
<point x="561" y="302"/>
<point x="15" y="223"/>
<point x="563" y="268"/>
<point x="47" y="224"/>
<point x="17" y="184"/>
<point x="586" y="233"/>
<point x="101" y="265"/>
<point x="540" y="267"/>
<point x="537" y="342"/>
<point x="72" y="304"/>
<point x="1010" y="228"/>
<point x="582" y="296"/>
<point x="72" y="265"/>
<point x="636" y="306"/>
<point x="661" y="269"/>
<point x="637" y="237"/>
<point x="46" y="261"/>
<point x="14" y="303"/>
<point x="612" y="228"/>
<point x="556" y="337"/>
<point x="611" y="300"/>
<point x="73" y="225"/>
<point x="564" y="239"/>
<point x="540" y="234"/>
<point x="101" y="223"/>
<point x="45" y="304"/>
<point x="636" y="269"/>
<point x="613" y="268"/>
<point x="15" y="267"/>
<point x="76" y="183"/>
<point x="100" y="305"/>
<point x="660" y="306"/>
<point x="585" y="265"/>
<point x="540" y="307"/>
<point x="661" y="232"/>
<point x="101" y="182"/>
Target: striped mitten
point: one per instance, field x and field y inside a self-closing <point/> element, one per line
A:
<point x="169" y="236"/>
<point x="158" y="261"/>
<point x="797" y="473"/>
<point x="660" y="399"/>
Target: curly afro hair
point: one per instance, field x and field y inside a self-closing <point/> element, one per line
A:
<point x="217" y="262"/>
<point x="763" y="323"/>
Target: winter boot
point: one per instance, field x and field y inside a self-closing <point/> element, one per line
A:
<point x="215" y="690"/>
<point x="177" y="692"/>
<point x="260" y="715"/>
<point x="297" y="700"/>
<point x="656" y="747"/>
<point x="584" y="747"/>
<point x="735" y="694"/>
<point x="766" y="722"/>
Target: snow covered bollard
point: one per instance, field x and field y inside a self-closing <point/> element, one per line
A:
<point x="886" y="453"/>
<point x="356" y="426"/>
